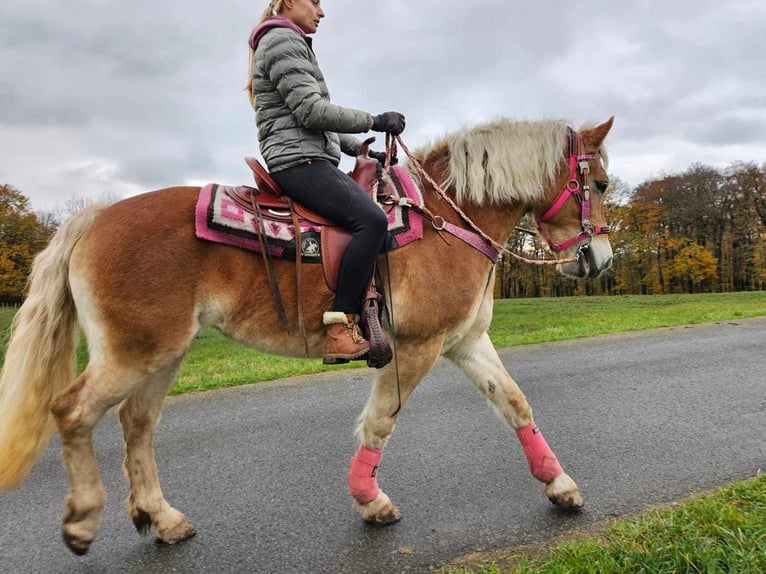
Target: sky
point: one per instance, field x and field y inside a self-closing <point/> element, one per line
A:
<point x="102" y="99"/>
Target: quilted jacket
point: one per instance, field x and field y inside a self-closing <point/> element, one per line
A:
<point x="295" y="118"/>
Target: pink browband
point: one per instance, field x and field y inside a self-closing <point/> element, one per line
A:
<point x="542" y="462"/>
<point x="362" y="476"/>
<point x="581" y="195"/>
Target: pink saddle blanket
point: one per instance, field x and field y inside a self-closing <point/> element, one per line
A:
<point x="220" y="219"/>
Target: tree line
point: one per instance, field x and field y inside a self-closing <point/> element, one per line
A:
<point x="24" y="233"/>
<point x="699" y="231"/>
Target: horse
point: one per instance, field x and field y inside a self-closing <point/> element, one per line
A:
<point x="140" y="286"/>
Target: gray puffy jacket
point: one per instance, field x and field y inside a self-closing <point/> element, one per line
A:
<point x="296" y="121"/>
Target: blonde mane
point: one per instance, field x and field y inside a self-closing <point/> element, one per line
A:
<point x="502" y="161"/>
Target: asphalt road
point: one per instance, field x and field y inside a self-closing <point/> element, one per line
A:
<point x="636" y="419"/>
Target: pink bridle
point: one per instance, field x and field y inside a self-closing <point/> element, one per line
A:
<point x="581" y="193"/>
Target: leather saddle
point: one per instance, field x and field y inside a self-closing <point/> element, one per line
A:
<point x="267" y="200"/>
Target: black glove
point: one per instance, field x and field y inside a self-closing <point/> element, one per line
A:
<point x="389" y="122"/>
<point x="381" y="157"/>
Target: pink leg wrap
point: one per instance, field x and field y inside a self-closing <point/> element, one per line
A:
<point x="542" y="462"/>
<point x="362" y="476"/>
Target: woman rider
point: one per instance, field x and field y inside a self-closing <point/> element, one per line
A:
<point x="301" y="136"/>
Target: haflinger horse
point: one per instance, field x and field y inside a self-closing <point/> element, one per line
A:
<point x="140" y="285"/>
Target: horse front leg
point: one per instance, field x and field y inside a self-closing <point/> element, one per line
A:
<point x="479" y="360"/>
<point x="376" y="424"/>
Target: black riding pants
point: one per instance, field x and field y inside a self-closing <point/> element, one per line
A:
<point x="325" y="189"/>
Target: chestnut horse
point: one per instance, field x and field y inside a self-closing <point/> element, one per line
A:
<point x="141" y="286"/>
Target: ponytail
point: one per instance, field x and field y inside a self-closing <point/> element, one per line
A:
<point x="249" y="86"/>
<point x="274" y="7"/>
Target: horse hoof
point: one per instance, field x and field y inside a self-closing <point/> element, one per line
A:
<point x="76" y="545"/>
<point x="573" y="501"/>
<point x="178" y="533"/>
<point x="379" y="512"/>
<point x="385" y="519"/>
<point x="563" y="492"/>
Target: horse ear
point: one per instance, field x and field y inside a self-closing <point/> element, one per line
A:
<point x="596" y="136"/>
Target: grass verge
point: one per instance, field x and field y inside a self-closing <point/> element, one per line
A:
<point x="214" y="361"/>
<point x="719" y="532"/>
<point x="523" y="321"/>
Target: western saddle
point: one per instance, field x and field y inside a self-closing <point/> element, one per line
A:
<point x="267" y="198"/>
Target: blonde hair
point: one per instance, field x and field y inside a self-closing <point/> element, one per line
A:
<point x="274" y="8"/>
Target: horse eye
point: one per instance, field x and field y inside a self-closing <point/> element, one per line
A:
<point x="602" y="185"/>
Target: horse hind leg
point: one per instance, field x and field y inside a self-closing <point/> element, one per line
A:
<point x="480" y="362"/>
<point x="77" y="409"/>
<point x="147" y="507"/>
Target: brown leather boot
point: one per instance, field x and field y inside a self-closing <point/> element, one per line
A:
<point x="344" y="339"/>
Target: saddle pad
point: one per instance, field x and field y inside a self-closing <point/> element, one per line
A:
<point x="220" y="219"/>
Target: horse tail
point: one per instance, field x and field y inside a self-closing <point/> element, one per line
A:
<point x="40" y="358"/>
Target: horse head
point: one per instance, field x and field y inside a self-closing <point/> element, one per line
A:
<point x="571" y="217"/>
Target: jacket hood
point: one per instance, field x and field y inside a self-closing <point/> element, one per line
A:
<point x="274" y="22"/>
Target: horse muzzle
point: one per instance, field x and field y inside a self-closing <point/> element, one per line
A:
<point x="592" y="260"/>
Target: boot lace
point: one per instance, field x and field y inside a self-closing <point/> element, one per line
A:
<point x="356" y="334"/>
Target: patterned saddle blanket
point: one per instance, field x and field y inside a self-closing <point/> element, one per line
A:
<point x="222" y="217"/>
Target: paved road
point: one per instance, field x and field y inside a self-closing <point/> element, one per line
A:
<point x="636" y="419"/>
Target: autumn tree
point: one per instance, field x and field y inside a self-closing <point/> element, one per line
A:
<point x="694" y="269"/>
<point x="744" y="269"/>
<point x="22" y="236"/>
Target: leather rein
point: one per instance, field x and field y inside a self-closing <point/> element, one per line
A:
<point x="479" y="240"/>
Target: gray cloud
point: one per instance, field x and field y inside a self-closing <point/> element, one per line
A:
<point x="27" y="108"/>
<point x="162" y="169"/>
<point x="728" y="131"/>
<point x="138" y="95"/>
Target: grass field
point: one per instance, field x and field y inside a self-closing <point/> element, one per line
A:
<point x="721" y="532"/>
<point x="214" y="361"/>
<point x="521" y="321"/>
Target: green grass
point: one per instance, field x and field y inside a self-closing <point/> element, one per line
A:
<point x="214" y="361"/>
<point x="6" y="315"/>
<point x="721" y="532"/>
<point x="522" y="321"/>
